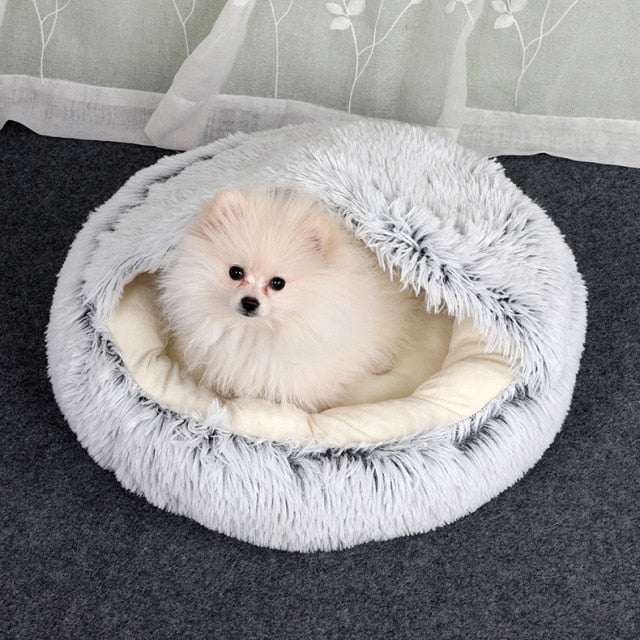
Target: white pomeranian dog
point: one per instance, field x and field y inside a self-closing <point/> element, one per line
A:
<point x="269" y="295"/>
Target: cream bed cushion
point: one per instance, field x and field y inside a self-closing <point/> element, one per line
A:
<point x="445" y="377"/>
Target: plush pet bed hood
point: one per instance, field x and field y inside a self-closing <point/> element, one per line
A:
<point x="447" y="223"/>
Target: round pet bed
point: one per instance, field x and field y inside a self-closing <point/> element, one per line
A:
<point x="464" y="414"/>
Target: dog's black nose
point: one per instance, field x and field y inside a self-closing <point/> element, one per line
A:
<point x="249" y="305"/>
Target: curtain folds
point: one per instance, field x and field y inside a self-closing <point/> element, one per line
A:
<point x="503" y="76"/>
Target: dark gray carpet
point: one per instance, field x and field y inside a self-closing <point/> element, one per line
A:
<point x="556" y="556"/>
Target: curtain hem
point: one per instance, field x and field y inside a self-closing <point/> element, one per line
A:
<point x="601" y="140"/>
<point x="73" y="110"/>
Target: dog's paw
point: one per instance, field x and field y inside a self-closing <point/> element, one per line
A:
<point x="383" y="366"/>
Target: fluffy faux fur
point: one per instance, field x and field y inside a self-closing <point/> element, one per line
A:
<point x="446" y="220"/>
<point x="270" y="296"/>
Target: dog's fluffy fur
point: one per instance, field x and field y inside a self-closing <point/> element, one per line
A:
<point x="337" y="319"/>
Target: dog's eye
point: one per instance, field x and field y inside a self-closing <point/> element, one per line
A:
<point x="236" y="273"/>
<point x="277" y="283"/>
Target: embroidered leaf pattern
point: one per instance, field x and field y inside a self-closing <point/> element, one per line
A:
<point x="276" y="26"/>
<point x="183" y="21"/>
<point x="517" y="5"/>
<point x="343" y="22"/>
<point x="335" y="8"/>
<point x="355" y="7"/>
<point x="529" y="50"/>
<point x="340" y="24"/>
<point x="504" y="21"/>
<point x="47" y="24"/>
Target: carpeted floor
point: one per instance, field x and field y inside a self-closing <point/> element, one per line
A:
<point x="556" y="556"/>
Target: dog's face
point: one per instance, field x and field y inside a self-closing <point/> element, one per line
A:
<point x="264" y="255"/>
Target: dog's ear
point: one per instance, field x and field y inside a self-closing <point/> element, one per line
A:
<point x="322" y="235"/>
<point x="227" y="205"/>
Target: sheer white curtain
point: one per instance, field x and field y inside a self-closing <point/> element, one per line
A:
<point x="555" y="76"/>
<point x="276" y="62"/>
<point x="503" y="76"/>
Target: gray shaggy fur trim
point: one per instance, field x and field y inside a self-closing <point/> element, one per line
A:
<point x="446" y="221"/>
